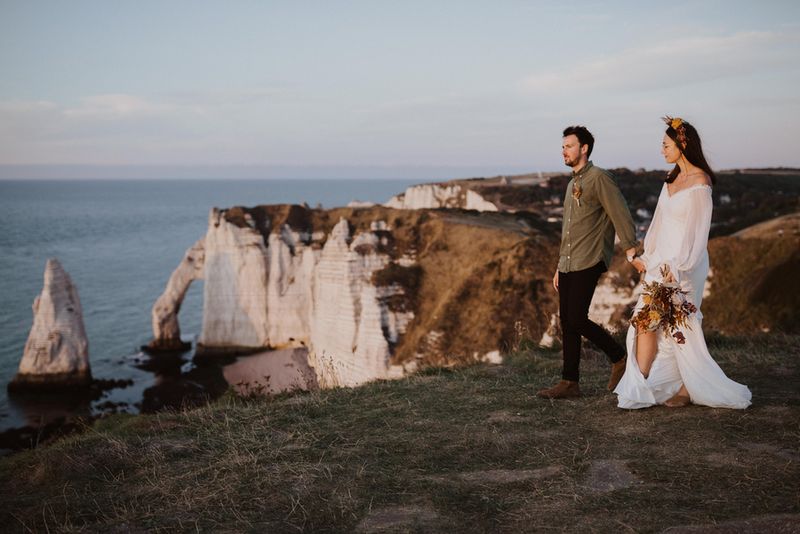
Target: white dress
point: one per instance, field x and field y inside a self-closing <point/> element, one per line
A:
<point x="678" y="237"/>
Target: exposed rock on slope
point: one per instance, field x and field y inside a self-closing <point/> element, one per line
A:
<point x="449" y="195"/>
<point x="373" y="292"/>
<point x="57" y="351"/>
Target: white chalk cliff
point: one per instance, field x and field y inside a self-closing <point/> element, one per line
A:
<point x="57" y="350"/>
<point x="351" y="326"/>
<point x="235" y="290"/>
<point x="431" y="196"/>
<point x="279" y="287"/>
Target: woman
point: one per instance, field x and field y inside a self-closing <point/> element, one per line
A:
<point x="660" y="370"/>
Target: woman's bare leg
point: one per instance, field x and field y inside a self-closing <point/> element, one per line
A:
<point x="646" y="349"/>
<point x="680" y="399"/>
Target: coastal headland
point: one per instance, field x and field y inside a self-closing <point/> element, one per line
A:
<point x="371" y="292"/>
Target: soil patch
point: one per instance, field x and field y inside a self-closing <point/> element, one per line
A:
<point x="401" y="519"/>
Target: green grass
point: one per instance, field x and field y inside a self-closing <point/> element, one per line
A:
<point x="464" y="450"/>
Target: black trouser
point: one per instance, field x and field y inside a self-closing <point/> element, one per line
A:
<point x="575" y="291"/>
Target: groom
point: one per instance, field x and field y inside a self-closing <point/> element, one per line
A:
<point x="593" y="210"/>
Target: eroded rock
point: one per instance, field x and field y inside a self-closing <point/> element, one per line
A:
<point x="166" y="330"/>
<point x="57" y="350"/>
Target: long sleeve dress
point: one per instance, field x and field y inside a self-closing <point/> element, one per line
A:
<point x="678" y="237"/>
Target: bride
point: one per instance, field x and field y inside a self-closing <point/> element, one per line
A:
<point x="663" y="370"/>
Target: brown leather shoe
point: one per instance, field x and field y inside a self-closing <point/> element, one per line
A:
<point x="678" y="401"/>
<point x="563" y="390"/>
<point x="617" y="370"/>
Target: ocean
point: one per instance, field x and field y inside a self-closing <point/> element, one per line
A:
<point x="120" y="240"/>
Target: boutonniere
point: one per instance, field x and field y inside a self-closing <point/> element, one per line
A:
<point x="576" y="192"/>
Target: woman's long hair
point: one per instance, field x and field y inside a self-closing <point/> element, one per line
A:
<point x="693" y="151"/>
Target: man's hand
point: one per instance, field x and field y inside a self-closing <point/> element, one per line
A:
<point x="639" y="265"/>
<point x="555" y="280"/>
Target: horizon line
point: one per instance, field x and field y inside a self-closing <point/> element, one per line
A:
<point x="78" y="171"/>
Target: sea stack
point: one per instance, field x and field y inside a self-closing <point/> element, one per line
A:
<point x="57" y="351"/>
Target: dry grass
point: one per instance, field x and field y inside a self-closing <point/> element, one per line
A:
<point x="754" y="285"/>
<point x="468" y="450"/>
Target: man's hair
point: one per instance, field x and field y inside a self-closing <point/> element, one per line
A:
<point x="584" y="136"/>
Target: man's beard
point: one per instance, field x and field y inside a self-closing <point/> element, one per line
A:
<point x="570" y="162"/>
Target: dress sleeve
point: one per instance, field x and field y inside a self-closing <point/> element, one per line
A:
<point x="694" y="241"/>
<point x="650" y="257"/>
<point x="695" y="238"/>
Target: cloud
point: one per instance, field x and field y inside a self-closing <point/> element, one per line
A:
<point x="673" y="63"/>
<point x="116" y="106"/>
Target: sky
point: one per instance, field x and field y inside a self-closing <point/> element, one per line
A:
<point x="333" y="88"/>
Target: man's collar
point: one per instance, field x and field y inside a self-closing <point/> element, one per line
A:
<point x="582" y="170"/>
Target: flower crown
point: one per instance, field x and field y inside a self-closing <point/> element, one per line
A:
<point x="677" y="124"/>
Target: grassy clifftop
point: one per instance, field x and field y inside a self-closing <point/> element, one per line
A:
<point x="468" y="450"/>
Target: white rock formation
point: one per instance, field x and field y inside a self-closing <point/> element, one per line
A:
<point x="493" y="357"/>
<point x="348" y="344"/>
<point x="57" y="350"/>
<point x="359" y="204"/>
<point x="235" y="289"/>
<point x="552" y="333"/>
<point x="428" y="196"/>
<point x="476" y="202"/>
<point x="610" y="298"/>
<point x="288" y="292"/>
<point x="292" y="266"/>
<point x="166" y="330"/>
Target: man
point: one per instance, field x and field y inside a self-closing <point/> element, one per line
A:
<point x="593" y="210"/>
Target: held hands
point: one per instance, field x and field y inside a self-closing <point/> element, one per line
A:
<point x="634" y="260"/>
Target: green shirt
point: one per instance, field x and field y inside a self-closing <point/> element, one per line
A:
<point x="587" y="231"/>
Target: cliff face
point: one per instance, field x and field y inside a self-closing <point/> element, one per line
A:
<point x="428" y="196"/>
<point x="372" y="293"/>
<point x="235" y="289"/>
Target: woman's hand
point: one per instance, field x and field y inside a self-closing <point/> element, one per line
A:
<point x="670" y="278"/>
<point x="639" y="265"/>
